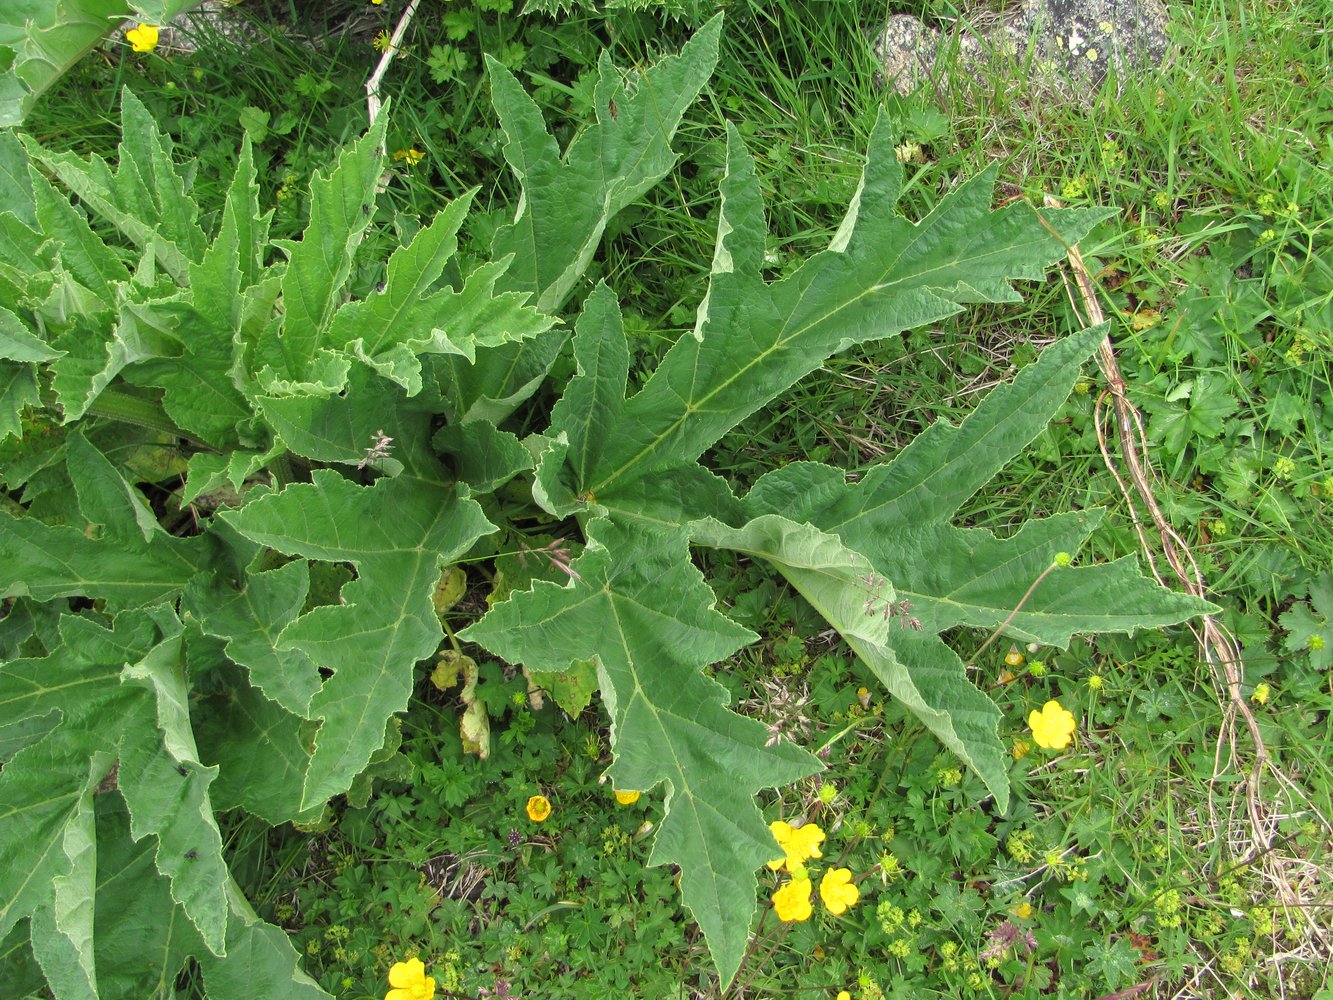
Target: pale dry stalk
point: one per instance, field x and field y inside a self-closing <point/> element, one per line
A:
<point x="373" y="101"/>
<point x="1253" y="838"/>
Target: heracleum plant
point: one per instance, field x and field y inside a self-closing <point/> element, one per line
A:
<point x="339" y="456"/>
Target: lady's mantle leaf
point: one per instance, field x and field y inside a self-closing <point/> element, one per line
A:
<point x="641" y="608"/>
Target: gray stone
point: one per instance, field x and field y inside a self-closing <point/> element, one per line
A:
<point x="218" y="20"/>
<point x="1069" y="42"/>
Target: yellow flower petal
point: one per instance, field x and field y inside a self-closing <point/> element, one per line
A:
<point x="837" y="891"/>
<point x="800" y="843"/>
<point x="627" y="798"/>
<point x="538" y="808"/>
<point x="405" y="975"/>
<point x="782" y="834"/>
<point x="143" y="38"/>
<point x="804" y="844"/>
<point x="792" y="901"/>
<point x="1053" y="727"/>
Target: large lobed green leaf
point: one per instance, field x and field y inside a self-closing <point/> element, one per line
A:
<point x="638" y="606"/>
<point x="898" y="517"/>
<point x="883" y="274"/>
<point x="398" y="534"/>
<point x="890" y="576"/>
<point x="123" y="556"/>
<point x="121" y="697"/>
<point x="567" y="201"/>
<point x="145" y="195"/>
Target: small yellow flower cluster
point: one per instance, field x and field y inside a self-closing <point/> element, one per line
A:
<point x="799" y="843"/>
<point x="791" y="901"/>
<point x="1074" y="188"/>
<point x="1295" y="354"/>
<point x="1144" y="319"/>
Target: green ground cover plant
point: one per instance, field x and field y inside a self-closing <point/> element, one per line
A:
<point x="1054" y="896"/>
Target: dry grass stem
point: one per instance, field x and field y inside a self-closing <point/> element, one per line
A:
<point x="1250" y="826"/>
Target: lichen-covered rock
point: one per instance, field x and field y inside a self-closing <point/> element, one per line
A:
<point x="906" y="50"/>
<point x="1069" y="41"/>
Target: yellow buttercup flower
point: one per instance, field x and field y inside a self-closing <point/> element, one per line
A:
<point x="410" y="982"/>
<point x="538" y="808"/>
<point x="799" y="844"/>
<point x="837" y="891"/>
<point x="844" y="995"/>
<point x="1053" y="727"/>
<point x="792" y="901"/>
<point x="627" y="798"/>
<point x="143" y="38"/>
<point x="409" y="156"/>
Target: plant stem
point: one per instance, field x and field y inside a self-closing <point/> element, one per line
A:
<point x="114" y="404"/>
<point x="1012" y="614"/>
